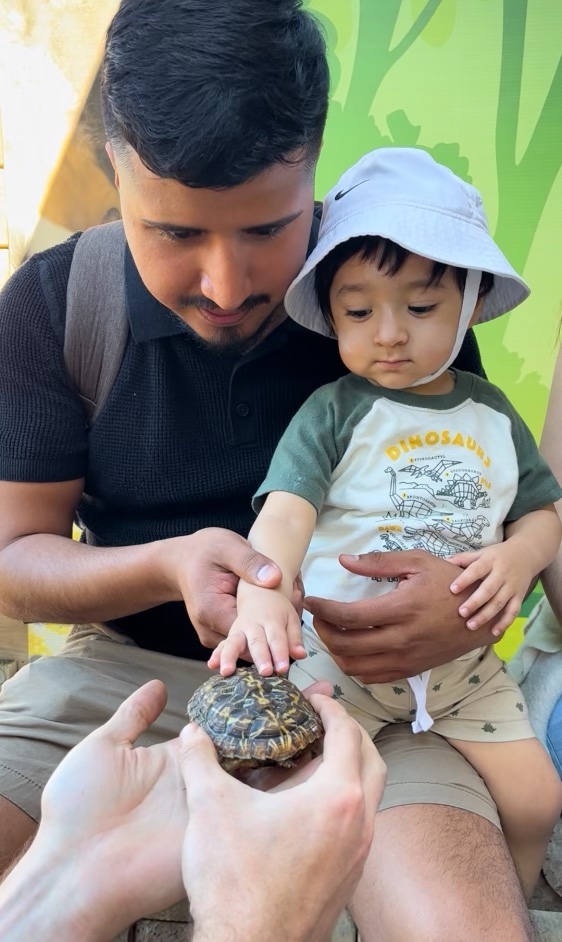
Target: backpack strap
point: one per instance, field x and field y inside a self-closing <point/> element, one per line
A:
<point x="97" y="325"/>
<point x="316" y="218"/>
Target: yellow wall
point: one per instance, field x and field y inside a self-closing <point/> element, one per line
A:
<point x="49" y="57"/>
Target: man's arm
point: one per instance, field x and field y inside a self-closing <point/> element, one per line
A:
<point x="401" y="633"/>
<point x="46" y="576"/>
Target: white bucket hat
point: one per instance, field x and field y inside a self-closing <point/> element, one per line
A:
<point x="403" y="194"/>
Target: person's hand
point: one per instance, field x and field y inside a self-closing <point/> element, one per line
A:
<point x="267" y="632"/>
<point x="204" y="569"/>
<point x="504" y="572"/>
<point x="297" y="850"/>
<point x="404" y="632"/>
<point x="118" y="815"/>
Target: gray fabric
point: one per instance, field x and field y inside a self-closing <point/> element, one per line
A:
<point x="542" y="688"/>
<point x="537" y="666"/>
<point x="97" y="325"/>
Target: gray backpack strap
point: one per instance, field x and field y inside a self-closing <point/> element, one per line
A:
<point x="97" y="325"/>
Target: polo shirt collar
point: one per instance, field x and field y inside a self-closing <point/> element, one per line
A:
<point x="148" y="319"/>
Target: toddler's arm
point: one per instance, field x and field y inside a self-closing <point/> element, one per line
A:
<point x="267" y="629"/>
<point x="506" y="569"/>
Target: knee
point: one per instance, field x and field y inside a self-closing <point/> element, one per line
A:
<point x="537" y="821"/>
<point x="465" y="922"/>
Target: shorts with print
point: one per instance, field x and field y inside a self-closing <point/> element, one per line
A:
<point x="52" y="703"/>
<point x="472" y="698"/>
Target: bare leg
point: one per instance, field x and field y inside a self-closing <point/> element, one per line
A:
<point x="528" y="792"/>
<point x="16" y="829"/>
<point x="436" y="872"/>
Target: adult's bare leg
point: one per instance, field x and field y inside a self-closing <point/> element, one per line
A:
<point x="437" y="872"/>
<point x="16" y="829"/>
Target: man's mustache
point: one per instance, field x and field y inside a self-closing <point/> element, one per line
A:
<point x="200" y="301"/>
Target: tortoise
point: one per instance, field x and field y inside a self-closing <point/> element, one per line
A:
<point x="255" y="721"/>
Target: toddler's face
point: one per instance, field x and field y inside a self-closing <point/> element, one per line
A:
<point x="395" y="329"/>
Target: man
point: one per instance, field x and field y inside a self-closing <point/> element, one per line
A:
<point x="214" y="114"/>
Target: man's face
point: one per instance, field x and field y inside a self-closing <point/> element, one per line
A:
<point x="221" y="260"/>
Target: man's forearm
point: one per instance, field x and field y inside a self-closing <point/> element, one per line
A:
<point x="51" y="578"/>
<point x="36" y="899"/>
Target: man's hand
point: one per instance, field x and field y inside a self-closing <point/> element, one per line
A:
<point x="297" y="850"/>
<point x="118" y="814"/>
<point x="411" y="629"/>
<point x="204" y="570"/>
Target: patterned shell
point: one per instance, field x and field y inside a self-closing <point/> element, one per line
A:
<point x="255" y="720"/>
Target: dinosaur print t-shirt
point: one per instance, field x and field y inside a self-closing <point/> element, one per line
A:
<point x="391" y="470"/>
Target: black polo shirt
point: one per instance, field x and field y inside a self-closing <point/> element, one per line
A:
<point x="184" y="439"/>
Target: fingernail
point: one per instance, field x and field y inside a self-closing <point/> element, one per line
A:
<point x="463" y="611"/>
<point x="454" y="587"/>
<point x="472" y="625"/>
<point x="266" y="572"/>
<point x="496" y="632"/>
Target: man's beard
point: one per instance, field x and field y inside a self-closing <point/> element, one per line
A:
<point x="228" y="341"/>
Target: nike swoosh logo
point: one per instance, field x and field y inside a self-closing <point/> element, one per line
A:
<point x="343" y="193"/>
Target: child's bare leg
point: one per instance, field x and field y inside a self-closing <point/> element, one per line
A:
<point x="528" y="792"/>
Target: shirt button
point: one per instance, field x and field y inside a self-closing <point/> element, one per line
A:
<point x="242" y="409"/>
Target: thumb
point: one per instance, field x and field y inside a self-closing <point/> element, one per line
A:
<point x="462" y="560"/>
<point x="253" y="567"/>
<point x="379" y="564"/>
<point x="199" y="766"/>
<point x="136" y="713"/>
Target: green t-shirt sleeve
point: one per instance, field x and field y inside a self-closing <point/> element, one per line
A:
<point x="537" y="484"/>
<point x="307" y="453"/>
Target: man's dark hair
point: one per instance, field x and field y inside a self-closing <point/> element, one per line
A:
<point x="212" y="92"/>
<point x="389" y="258"/>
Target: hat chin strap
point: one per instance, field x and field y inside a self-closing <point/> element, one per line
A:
<point x="469" y="302"/>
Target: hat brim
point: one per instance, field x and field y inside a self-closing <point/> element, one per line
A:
<point x="437" y="235"/>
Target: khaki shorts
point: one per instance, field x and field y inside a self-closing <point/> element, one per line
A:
<point x="51" y="704"/>
<point x="472" y="698"/>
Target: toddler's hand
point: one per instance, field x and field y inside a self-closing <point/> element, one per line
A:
<point x="268" y="637"/>
<point x="505" y="575"/>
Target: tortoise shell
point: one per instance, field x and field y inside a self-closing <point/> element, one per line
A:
<point x="254" y="720"/>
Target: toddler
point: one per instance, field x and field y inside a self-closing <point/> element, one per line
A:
<point x="404" y="453"/>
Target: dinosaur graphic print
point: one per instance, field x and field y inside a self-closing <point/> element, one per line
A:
<point x="427" y="496"/>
